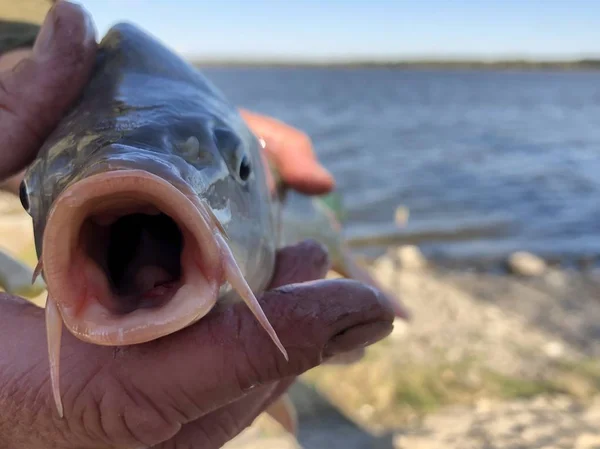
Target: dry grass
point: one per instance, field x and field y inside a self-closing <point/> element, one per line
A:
<point x="380" y="393"/>
<point x="25" y="10"/>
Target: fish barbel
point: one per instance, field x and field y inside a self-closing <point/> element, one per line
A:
<point x="151" y="203"/>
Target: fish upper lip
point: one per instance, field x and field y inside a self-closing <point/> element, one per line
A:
<point x="153" y="165"/>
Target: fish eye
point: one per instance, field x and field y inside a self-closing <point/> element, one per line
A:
<point x="245" y="168"/>
<point x="23" y="196"/>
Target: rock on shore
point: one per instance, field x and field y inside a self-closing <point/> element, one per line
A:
<point x="526" y="264"/>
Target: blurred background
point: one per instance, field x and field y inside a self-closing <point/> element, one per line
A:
<point x="465" y="140"/>
<point x="491" y="150"/>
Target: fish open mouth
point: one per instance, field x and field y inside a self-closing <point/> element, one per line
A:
<point x="128" y="258"/>
<point x="140" y="255"/>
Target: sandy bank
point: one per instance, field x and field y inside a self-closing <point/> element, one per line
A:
<point x="488" y="361"/>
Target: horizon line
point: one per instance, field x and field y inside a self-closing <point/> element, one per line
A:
<point x="449" y="58"/>
<point x="593" y="62"/>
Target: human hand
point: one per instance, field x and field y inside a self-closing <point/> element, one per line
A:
<point x="198" y="387"/>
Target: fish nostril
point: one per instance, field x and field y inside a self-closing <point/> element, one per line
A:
<point x="245" y="168"/>
<point x="234" y="152"/>
<point x="226" y="140"/>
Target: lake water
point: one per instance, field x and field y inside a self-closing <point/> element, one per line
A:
<point x="512" y="159"/>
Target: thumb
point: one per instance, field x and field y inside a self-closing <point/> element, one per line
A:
<point x="227" y="354"/>
<point x="37" y="92"/>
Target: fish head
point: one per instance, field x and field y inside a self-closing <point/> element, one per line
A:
<point x="149" y="207"/>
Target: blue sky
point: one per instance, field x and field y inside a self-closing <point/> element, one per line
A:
<point x="363" y="29"/>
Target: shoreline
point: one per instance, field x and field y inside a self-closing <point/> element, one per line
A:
<point x="494" y="265"/>
<point x="591" y="65"/>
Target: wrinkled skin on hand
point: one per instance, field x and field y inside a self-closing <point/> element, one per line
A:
<point x="201" y="386"/>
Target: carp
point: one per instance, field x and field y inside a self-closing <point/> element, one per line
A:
<point x="152" y="201"/>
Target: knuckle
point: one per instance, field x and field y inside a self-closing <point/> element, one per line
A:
<point x="20" y="108"/>
<point x="6" y="97"/>
<point x="251" y="368"/>
<point x="114" y="411"/>
<point x="315" y="250"/>
<point x="258" y="360"/>
<point x="143" y="417"/>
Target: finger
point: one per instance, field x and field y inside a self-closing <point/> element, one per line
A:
<point x="314" y="320"/>
<point x="10" y="59"/>
<point x="217" y="428"/>
<point x="291" y="152"/>
<point x="13" y="300"/>
<point x="37" y="92"/>
<point x="298" y="171"/>
<point x="307" y="261"/>
<point x="224" y="424"/>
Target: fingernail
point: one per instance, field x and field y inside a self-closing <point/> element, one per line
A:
<point x="356" y="337"/>
<point x="319" y="253"/>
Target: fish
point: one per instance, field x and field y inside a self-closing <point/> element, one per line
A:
<point x="152" y="202"/>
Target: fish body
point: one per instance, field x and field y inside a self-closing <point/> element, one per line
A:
<point x="152" y="203"/>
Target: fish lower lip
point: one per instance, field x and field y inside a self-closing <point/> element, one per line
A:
<point x="140" y="262"/>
